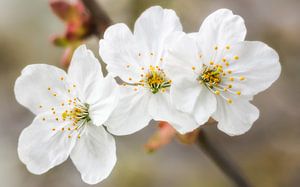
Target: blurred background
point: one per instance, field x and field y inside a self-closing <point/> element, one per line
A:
<point x="269" y="153"/>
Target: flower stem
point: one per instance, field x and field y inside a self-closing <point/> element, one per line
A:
<point x="222" y="160"/>
<point x="100" y="19"/>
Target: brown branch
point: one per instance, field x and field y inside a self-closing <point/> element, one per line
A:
<point x="100" y="19"/>
<point x="222" y="160"/>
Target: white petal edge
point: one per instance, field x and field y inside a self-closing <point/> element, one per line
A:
<point x="84" y="69"/>
<point x="117" y="49"/>
<point x="161" y="109"/>
<point x="205" y="106"/>
<point x="152" y="29"/>
<point x="183" y="60"/>
<point x="40" y="148"/>
<point x="184" y="94"/>
<point x="236" y="118"/>
<point x="221" y="28"/>
<point x="31" y="88"/>
<point x="103" y="99"/>
<point x="94" y="155"/>
<point x="258" y="64"/>
<point x="131" y="113"/>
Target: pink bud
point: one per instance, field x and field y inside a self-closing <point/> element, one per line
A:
<point x="162" y="137"/>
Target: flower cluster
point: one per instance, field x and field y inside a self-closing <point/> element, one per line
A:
<point x="170" y="76"/>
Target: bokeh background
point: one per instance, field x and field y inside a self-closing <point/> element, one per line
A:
<point x="269" y="153"/>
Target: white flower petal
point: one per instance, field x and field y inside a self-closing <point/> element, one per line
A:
<point x="40" y="87"/>
<point x="205" y="106"/>
<point x="152" y="28"/>
<point x="221" y="28"/>
<point x="184" y="94"/>
<point x="257" y="63"/>
<point x="118" y="51"/>
<point x="131" y="113"/>
<point x="102" y="99"/>
<point x="94" y="154"/>
<point x="236" y="118"/>
<point x="41" y="148"/>
<point x="84" y="69"/>
<point x="161" y="109"/>
<point x="183" y="60"/>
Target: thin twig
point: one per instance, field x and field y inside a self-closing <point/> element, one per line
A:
<point x="100" y="19"/>
<point x="222" y="160"/>
<point x="100" y="22"/>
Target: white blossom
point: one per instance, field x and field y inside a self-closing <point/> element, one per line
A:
<point x="216" y="73"/>
<point x="70" y="112"/>
<point x="138" y="58"/>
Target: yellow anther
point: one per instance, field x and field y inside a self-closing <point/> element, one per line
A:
<point x="227" y="47"/>
<point x="74" y="85"/>
<point x="236" y="57"/>
<point x="49" y="88"/>
<point x="238" y="93"/>
<point x="53" y="112"/>
<point x="55" y="95"/>
<point x="229" y="101"/>
<point x="69" y="136"/>
<point x="56" y="119"/>
<point x="161" y="59"/>
<point x="163" y="90"/>
<point x="216" y="47"/>
<point x="225" y="89"/>
<point x="62" y="104"/>
<point x="130" y="78"/>
<point x="69" y="128"/>
<point x="78" y="136"/>
<point x="52" y="108"/>
<point x="135" y="89"/>
<point x="217" y="92"/>
<point x="211" y="63"/>
<point x="229" y="86"/>
<point x="193" y="67"/>
<point x="223" y="59"/>
<point x="53" y="129"/>
<point x="142" y="75"/>
<point x="62" y="129"/>
<point x="229" y="71"/>
<point x="142" y="68"/>
<point x="242" y="78"/>
<point x="231" y="79"/>
<point x="224" y="74"/>
<point x="62" y="78"/>
<point x="69" y="90"/>
<point x="124" y="84"/>
<point x="227" y="64"/>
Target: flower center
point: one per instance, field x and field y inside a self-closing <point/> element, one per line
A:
<point x="78" y="113"/>
<point x="211" y="76"/>
<point x="156" y="80"/>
